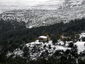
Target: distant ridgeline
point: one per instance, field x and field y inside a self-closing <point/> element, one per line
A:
<point x="12" y="31"/>
<point x="37" y="17"/>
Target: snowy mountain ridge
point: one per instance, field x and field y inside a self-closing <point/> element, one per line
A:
<point x="39" y="17"/>
<point x="56" y="4"/>
<point x="72" y="3"/>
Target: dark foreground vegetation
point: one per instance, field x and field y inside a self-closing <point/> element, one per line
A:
<point x="59" y="57"/>
<point x="13" y="34"/>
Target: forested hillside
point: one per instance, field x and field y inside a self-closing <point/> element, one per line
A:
<point x="13" y="29"/>
<point x="13" y="34"/>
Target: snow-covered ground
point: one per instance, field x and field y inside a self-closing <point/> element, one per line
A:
<point x="49" y="43"/>
<point x="80" y="46"/>
<point x="47" y="46"/>
<point x="36" y="48"/>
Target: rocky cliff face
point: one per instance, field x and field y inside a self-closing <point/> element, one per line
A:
<point x="72" y="3"/>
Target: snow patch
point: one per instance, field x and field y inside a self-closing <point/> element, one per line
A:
<point x="80" y="46"/>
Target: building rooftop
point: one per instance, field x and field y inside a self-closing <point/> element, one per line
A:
<point x="42" y="36"/>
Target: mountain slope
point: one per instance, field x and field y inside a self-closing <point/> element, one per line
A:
<point x="40" y="17"/>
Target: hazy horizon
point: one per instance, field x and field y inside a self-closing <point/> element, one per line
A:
<point x="23" y="4"/>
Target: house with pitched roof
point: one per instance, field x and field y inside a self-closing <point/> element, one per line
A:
<point x="44" y="38"/>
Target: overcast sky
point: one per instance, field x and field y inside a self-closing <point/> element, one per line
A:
<point x="21" y="4"/>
